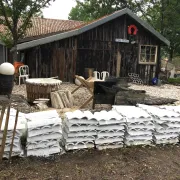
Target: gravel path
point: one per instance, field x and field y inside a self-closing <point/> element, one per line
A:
<point x="164" y="91"/>
<point x="80" y="96"/>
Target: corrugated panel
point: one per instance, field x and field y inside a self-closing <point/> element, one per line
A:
<point x="160" y="113"/>
<point x="132" y="112"/>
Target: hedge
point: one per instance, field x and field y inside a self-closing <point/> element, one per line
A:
<point x="174" y="80"/>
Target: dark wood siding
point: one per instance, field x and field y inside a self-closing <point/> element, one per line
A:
<point x="96" y="49"/>
<point x="54" y="59"/>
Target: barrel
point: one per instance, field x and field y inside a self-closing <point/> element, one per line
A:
<point x="6" y="84"/>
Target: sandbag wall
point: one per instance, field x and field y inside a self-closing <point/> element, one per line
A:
<point x="20" y="133"/>
<point x="79" y="130"/>
<point x="44" y="133"/>
<point x="47" y="134"/>
<point x="166" y="124"/>
<point x="110" y="131"/>
<point x="139" y="125"/>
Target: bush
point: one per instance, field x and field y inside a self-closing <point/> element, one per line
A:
<point x="174" y="80"/>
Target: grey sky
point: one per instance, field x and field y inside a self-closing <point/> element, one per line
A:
<point x="59" y="9"/>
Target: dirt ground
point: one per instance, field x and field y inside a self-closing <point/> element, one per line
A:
<point x="137" y="163"/>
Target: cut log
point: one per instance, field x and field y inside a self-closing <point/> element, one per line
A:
<point x="65" y="100"/>
<point x="59" y="101"/>
<point x="60" y="95"/>
<point x="70" y="98"/>
<point x="54" y="100"/>
<point x="151" y="100"/>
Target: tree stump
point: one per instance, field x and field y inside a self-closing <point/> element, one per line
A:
<point x="41" y="88"/>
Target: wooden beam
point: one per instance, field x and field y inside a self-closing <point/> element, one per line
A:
<point x="4" y="134"/>
<point x="14" y="131"/>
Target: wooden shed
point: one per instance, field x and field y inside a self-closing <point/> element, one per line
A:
<point x="119" y="43"/>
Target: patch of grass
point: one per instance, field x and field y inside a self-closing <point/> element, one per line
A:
<point x="174" y="80"/>
<point x="176" y="61"/>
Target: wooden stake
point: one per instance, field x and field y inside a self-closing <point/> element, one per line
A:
<point x="76" y="89"/>
<point x="14" y="131"/>
<point x="91" y="98"/>
<point x="5" y="133"/>
<point x="2" y="115"/>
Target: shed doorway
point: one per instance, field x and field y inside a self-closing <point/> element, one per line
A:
<point x="126" y="59"/>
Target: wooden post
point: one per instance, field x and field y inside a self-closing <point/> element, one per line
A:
<point x="2" y="115"/>
<point x="118" y="65"/>
<point x="14" y="131"/>
<point x="5" y="134"/>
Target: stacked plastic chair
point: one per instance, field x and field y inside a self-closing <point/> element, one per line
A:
<point x="167" y="125"/>
<point x="111" y="128"/>
<point x="79" y="130"/>
<point x="139" y="125"/>
<point x="44" y="133"/>
<point x="19" y="133"/>
<point x="135" y="78"/>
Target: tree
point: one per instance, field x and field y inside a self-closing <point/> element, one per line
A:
<point x="16" y="17"/>
<point x="93" y="9"/>
<point x="164" y="16"/>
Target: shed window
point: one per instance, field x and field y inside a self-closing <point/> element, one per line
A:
<point x="147" y="54"/>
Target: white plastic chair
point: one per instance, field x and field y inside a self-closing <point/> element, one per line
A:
<point x="104" y="74"/>
<point x="23" y="73"/>
<point x="97" y="75"/>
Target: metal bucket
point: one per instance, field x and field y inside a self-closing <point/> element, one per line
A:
<point x="6" y="84"/>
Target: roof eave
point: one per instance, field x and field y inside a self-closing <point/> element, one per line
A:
<point x="148" y="27"/>
<point x="46" y="40"/>
<point x="91" y="26"/>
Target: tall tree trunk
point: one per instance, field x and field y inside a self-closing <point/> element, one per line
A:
<point x="162" y="17"/>
<point x="171" y="53"/>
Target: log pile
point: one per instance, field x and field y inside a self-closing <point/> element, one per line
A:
<point x="61" y="99"/>
<point x="126" y="96"/>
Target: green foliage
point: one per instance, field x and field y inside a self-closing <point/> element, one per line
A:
<point x="174" y="80"/>
<point x="16" y="16"/>
<point x="6" y="37"/>
<point x="176" y="61"/>
<point x="89" y="10"/>
<point x="163" y="15"/>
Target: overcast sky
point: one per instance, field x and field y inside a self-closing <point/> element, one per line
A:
<point x="59" y="9"/>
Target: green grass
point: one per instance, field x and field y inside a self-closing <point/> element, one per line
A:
<point x="174" y="80"/>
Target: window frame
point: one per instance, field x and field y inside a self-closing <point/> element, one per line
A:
<point x="155" y="60"/>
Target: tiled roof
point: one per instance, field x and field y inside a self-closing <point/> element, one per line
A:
<point x="42" y="27"/>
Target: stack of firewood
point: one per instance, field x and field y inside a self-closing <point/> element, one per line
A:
<point x="61" y="99"/>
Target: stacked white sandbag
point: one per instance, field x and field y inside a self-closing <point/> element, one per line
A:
<point x="139" y="125"/>
<point x="20" y="132"/>
<point x="167" y="125"/>
<point x="79" y="130"/>
<point x="171" y="108"/>
<point x="111" y="129"/>
<point x="44" y="133"/>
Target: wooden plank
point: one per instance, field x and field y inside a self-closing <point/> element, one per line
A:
<point x="14" y="131"/>
<point x="2" y="115"/>
<point x="118" y="65"/>
<point x="4" y="134"/>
